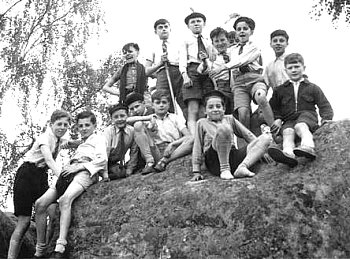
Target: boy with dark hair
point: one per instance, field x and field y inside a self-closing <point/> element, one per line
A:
<point x="132" y="75"/>
<point x="293" y="104"/>
<point x="89" y="159"/>
<point x="221" y="81"/>
<point x="194" y="49"/>
<point x="165" y="56"/>
<point x="214" y="141"/>
<point x="246" y="67"/>
<point x="275" y="73"/>
<point x="120" y="137"/>
<point x="31" y="180"/>
<point x="165" y="138"/>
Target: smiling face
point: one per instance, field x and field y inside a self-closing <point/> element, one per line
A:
<point x="279" y="44"/>
<point x="130" y="55"/>
<point x="119" y="118"/>
<point x="243" y="32"/>
<point x="163" y="31"/>
<point x="221" y="42"/>
<point x="295" y="71"/>
<point x="60" y="127"/>
<point x="86" y="128"/>
<point x="214" y="108"/>
<point x="137" y="108"/>
<point x="196" y="25"/>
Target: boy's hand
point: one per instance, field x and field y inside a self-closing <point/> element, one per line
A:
<point x="72" y="169"/>
<point x="276" y="126"/>
<point x="203" y="55"/>
<point x="197" y="176"/>
<point x="128" y="172"/>
<point x="187" y="80"/>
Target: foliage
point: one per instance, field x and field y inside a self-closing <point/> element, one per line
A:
<point x="335" y="8"/>
<point x="43" y="67"/>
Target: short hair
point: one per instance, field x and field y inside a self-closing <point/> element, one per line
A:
<point x="293" y="58"/>
<point x="58" y="114"/>
<point x="120" y="106"/>
<point x="160" y="21"/>
<point x="127" y="46"/>
<point x="159" y="94"/>
<point x="195" y="15"/>
<point x="232" y="35"/>
<point x="133" y="97"/>
<point x="249" y="21"/>
<point x="218" y="31"/>
<point x="214" y="93"/>
<point x="282" y="33"/>
<point x="85" y="115"/>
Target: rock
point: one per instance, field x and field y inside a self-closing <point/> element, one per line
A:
<point x="303" y="212"/>
<point x="7" y="225"/>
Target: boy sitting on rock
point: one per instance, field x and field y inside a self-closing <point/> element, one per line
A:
<point x="293" y="104"/>
<point x="214" y="142"/>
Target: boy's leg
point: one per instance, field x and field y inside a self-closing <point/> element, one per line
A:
<point x="259" y="94"/>
<point x="242" y="107"/>
<point x="222" y="144"/>
<point x="193" y="111"/>
<point x="16" y="240"/>
<point x="255" y="150"/>
<point x="41" y="206"/>
<point x="307" y="144"/>
<point x="73" y="191"/>
<point x="288" y="141"/>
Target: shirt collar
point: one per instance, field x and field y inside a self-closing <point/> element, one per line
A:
<point x="166" y="115"/>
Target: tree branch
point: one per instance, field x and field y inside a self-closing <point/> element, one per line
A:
<point x="3" y="14"/>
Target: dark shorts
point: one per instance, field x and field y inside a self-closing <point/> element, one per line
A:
<point x="224" y="86"/>
<point x="307" y="117"/>
<point x="30" y="183"/>
<point x="212" y="159"/>
<point x="201" y="84"/>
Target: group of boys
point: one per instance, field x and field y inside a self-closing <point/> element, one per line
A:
<point x="220" y="78"/>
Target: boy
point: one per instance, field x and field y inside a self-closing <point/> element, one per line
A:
<point x="246" y="67"/>
<point x="165" y="131"/>
<point x="166" y="52"/>
<point x="193" y="51"/>
<point x="275" y="73"/>
<point x="89" y="159"/>
<point x="219" y="38"/>
<point x="214" y="141"/>
<point x="119" y="139"/>
<point x="132" y="75"/>
<point x="293" y="104"/>
<point x="31" y="178"/>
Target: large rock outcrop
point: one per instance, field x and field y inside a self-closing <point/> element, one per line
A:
<point x="302" y="212"/>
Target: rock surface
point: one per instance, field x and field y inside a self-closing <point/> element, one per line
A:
<point x="7" y="225"/>
<point x="302" y="212"/>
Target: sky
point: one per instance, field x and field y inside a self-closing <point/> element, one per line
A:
<point x="324" y="47"/>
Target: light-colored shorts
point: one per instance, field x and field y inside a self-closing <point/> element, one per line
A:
<point x="84" y="179"/>
<point x="244" y="94"/>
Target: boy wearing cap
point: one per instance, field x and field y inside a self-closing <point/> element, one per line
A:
<point x="165" y="52"/>
<point x="214" y="142"/>
<point x="246" y="68"/>
<point x="275" y="73"/>
<point x="193" y="50"/>
<point x="120" y="137"/>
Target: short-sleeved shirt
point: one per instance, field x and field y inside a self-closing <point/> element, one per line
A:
<point x="275" y="73"/>
<point x="34" y="155"/>
<point x="169" y="128"/>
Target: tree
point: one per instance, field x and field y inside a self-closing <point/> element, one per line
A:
<point x="335" y="8"/>
<point x="43" y="67"/>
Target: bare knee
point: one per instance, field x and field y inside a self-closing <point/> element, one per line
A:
<point x="265" y="139"/>
<point x="193" y="107"/>
<point x="260" y="97"/>
<point x="65" y="202"/>
<point x="224" y="131"/>
<point x="138" y="126"/>
<point x="301" y="126"/>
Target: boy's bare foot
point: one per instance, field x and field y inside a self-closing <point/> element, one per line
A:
<point x="226" y="175"/>
<point x="243" y="171"/>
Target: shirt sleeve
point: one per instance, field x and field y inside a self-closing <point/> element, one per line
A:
<point x="250" y="53"/>
<point x="183" y="53"/>
<point x="180" y="122"/>
<point x="324" y="107"/>
<point x="197" y="152"/>
<point x="99" y="161"/>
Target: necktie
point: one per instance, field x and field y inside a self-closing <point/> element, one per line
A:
<point x="201" y="47"/>
<point x="121" y="145"/>
<point x="240" y="51"/>
<point x="164" y="46"/>
<point x="55" y="152"/>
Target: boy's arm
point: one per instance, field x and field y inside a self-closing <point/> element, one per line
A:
<point x="133" y="119"/>
<point x="249" y="55"/>
<point x="183" y="64"/>
<point x="197" y="152"/>
<point x="324" y="107"/>
<point x="51" y="163"/>
<point x="108" y="87"/>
